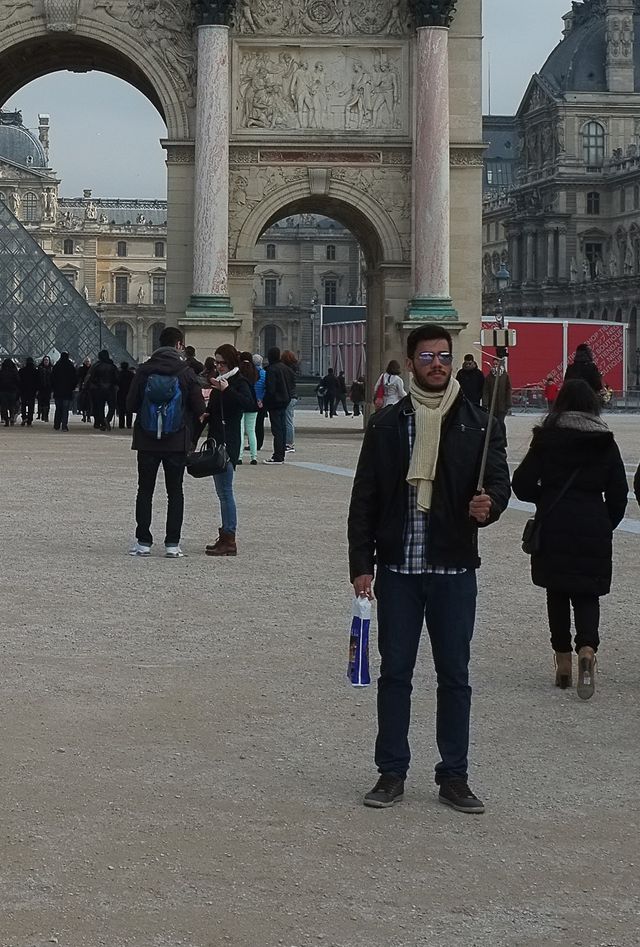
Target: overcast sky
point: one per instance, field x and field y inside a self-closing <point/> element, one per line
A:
<point x="105" y="134"/>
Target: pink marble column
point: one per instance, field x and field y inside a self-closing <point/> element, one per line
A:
<point x="431" y="176"/>
<point x="211" y="211"/>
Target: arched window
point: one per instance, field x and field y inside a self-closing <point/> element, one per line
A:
<point x="271" y="251"/>
<point x="67" y="247"/>
<point x="121" y="332"/>
<point x="636" y="197"/>
<point x="331" y="251"/>
<point x="593" y="144"/>
<point x="30" y="204"/>
<point x="593" y="202"/>
<point x="605" y="314"/>
<point x="623" y="199"/>
<point x="121" y="248"/>
<point x="159" y="249"/>
<point x="154" y="333"/>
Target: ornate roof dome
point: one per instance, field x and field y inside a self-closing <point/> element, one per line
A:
<point x="18" y="144"/>
<point x="578" y="63"/>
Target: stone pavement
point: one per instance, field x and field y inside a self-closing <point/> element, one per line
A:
<point x="184" y="762"/>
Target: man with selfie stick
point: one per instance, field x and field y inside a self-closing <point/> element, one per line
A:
<point x="415" y="512"/>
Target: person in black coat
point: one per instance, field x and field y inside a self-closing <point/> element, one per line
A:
<point x="9" y="391"/>
<point x="84" y="395"/>
<point x="125" y="377"/>
<point x="28" y="376"/>
<point x="63" y="380"/>
<point x="413" y="521"/>
<point x="331" y="388"/>
<point x="471" y="380"/>
<point x="231" y="395"/>
<point x="44" y="388"/>
<point x="278" y="389"/>
<point x="574" y="447"/>
<point x="171" y="448"/>
<point x="585" y="368"/>
<point x="102" y="383"/>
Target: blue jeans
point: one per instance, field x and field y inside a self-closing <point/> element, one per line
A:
<point x="61" y="416"/>
<point x="290" y="436"/>
<point x="223" y="483"/>
<point x="448" y="605"/>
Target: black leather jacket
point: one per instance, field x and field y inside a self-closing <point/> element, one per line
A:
<point x="380" y="491"/>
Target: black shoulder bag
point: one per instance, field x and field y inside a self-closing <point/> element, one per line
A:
<point x="211" y="458"/>
<point x="532" y="533"/>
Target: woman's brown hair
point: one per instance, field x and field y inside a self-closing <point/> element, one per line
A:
<point x="229" y="355"/>
<point x="247" y="368"/>
<point x="289" y="359"/>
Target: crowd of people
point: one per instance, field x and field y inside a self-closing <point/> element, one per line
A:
<point x="96" y="391"/>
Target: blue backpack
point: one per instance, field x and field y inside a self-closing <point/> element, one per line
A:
<point x="162" y="408"/>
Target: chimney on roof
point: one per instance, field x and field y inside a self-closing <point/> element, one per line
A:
<point x="43" y="134"/>
<point x="86" y="193"/>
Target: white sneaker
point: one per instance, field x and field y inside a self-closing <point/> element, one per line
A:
<point x="290" y="450"/>
<point x="173" y="552"/>
<point x="139" y="549"/>
<point x="272" y="461"/>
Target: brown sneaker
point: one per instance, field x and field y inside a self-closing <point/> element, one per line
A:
<point x="226" y="546"/>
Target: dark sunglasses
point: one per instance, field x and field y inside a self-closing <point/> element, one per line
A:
<point x="445" y="358"/>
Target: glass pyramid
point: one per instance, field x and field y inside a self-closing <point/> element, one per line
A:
<point x="40" y="311"/>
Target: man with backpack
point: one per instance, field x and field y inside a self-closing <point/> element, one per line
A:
<point x="166" y="398"/>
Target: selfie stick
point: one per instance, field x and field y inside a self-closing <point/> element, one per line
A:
<point x="492" y="409"/>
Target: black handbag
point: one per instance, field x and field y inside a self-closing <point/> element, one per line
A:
<point x="209" y="460"/>
<point x="532" y="532"/>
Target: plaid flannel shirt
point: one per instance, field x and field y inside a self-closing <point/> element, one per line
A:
<point x="415" y="530"/>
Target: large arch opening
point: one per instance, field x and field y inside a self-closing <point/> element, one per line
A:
<point x="98" y="209"/>
<point x="38" y="56"/>
<point x="382" y="286"/>
<point x="310" y="291"/>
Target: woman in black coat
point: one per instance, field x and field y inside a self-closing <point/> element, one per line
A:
<point x="231" y="395"/>
<point x="9" y="391"/>
<point x="45" y="385"/>
<point x="574" y="446"/>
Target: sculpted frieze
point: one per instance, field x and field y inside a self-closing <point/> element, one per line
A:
<point x="391" y="188"/>
<point x="306" y="89"/>
<point x="329" y="17"/>
<point x="164" y="26"/>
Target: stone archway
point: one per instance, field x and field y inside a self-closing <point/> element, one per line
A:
<point x="135" y="42"/>
<point x="371" y="104"/>
<point x="387" y="274"/>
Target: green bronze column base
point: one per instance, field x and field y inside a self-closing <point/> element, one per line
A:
<point x="431" y="309"/>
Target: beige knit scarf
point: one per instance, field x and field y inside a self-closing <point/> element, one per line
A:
<point x="430" y="408"/>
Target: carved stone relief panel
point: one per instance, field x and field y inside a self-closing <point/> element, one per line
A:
<point x="299" y="89"/>
<point x="335" y="17"/>
<point x="167" y="27"/>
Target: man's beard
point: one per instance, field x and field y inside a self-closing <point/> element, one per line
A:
<point x="434" y="385"/>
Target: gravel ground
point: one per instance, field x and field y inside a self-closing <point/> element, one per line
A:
<point x="184" y="761"/>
